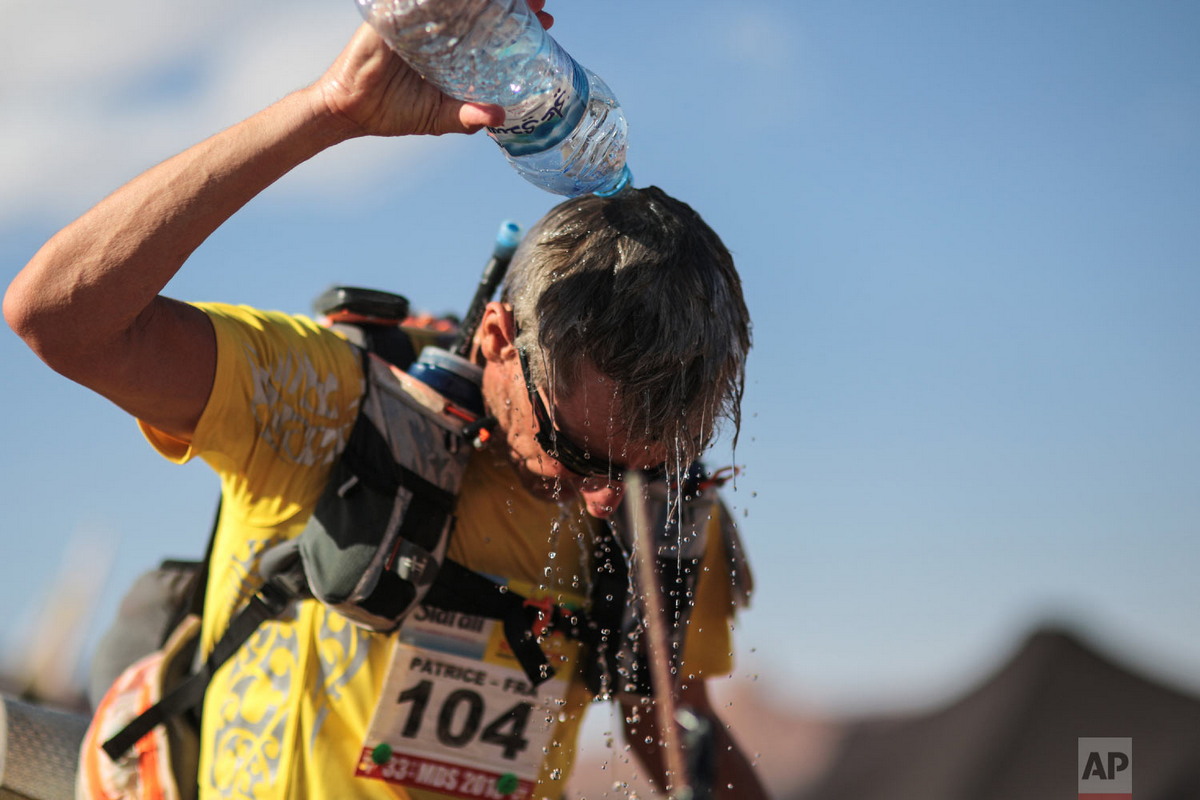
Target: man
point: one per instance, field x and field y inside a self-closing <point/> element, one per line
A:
<point x="621" y="329"/>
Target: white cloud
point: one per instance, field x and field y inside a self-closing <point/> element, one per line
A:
<point x="780" y="61"/>
<point x="760" y="37"/>
<point x="82" y="112"/>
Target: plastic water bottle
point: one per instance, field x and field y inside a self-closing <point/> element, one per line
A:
<point x="564" y="131"/>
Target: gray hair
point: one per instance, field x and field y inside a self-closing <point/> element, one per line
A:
<point x="640" y="286"/>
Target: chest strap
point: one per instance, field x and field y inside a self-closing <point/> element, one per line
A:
<point x="465" y="591"/>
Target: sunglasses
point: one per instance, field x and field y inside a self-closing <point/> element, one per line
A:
<point x="559" y="447"/>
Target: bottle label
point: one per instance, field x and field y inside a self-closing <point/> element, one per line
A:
<point x="551" y="124"/>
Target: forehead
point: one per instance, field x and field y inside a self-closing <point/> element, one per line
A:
<point x="588" y="412"/>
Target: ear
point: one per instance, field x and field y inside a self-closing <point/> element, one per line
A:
<point x="496" y="335"/>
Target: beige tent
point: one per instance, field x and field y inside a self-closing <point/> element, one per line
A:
<point x="1017" y="735"/>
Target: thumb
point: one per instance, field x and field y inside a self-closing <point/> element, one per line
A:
<point x="470" y="117"/>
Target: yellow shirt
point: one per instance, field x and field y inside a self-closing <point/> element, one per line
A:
<point x="288" y="715"/>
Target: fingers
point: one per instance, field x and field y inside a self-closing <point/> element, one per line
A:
<point x="536" y="7"/>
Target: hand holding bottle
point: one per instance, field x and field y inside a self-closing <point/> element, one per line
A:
<point x="563" y="129"/>
<point x="379" y="94"/>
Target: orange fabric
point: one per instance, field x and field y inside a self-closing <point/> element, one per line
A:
<point x="103" y="779"/>
<point x="146" y="772"/>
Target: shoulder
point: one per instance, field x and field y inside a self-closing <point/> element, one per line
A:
<point x="284" y="386"/>
<point x="281" y="347"/>
<point x="249" y="323"/>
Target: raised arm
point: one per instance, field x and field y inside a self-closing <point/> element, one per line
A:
<point x="88" y="302"/>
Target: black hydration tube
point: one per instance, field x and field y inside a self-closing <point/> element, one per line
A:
<point x="493" y="272"/>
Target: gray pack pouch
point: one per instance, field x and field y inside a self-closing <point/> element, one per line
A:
<point x="378" y="535"/>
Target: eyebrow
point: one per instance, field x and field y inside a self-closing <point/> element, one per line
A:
<point x="562" y="444"/>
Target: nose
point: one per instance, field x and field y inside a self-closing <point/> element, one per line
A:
<point x="601" y="498"/>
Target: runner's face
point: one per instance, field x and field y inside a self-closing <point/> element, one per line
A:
<point x="588" y="417"/>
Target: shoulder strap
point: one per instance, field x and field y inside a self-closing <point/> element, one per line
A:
<point x="610" y="599"/>
<point x="268" y="603"/>
<point x="197" y="584"/>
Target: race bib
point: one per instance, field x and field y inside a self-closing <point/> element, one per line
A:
<point x="457" y="716"/>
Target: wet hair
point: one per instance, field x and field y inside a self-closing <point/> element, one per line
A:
<point x="643" y="289"/>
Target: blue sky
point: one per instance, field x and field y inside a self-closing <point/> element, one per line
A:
<point x="968" y="239"/>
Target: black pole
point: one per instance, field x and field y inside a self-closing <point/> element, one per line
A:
<point x="700" y="753"/>
<point x="493" y="272"/>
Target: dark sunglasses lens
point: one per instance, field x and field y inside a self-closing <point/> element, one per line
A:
<point x="570" y="456"/>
